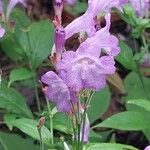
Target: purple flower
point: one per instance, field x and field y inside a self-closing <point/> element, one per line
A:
<point x="82" y="23"/>
<point x="57" y="91"/>
<point x="147" y="148"/>
<point x="85" y="69"/>
<point x="141" y="7"/>
<point x="59" y="41"/>
<point x="2" y="31"/>
<point x="86" y="21"/>
<point x="102" y="39"/>
<point x="12" y="4"/>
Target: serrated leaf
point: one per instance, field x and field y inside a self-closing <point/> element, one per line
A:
<point x="99" y="104"/>
<point x="109" y="146"/>
<point x="29" y="127"/>
<point x="13" y="101"/>
<point x="130" y="120"/>
<point x="20" y="74"/>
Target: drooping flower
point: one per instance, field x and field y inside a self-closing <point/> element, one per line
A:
<point x="141" y="7"/>
<point x="81" y="24"/>
<point x="102" y="39"/>
<point x="86" y="21"/>
<point x="57" y="91"/>
<point x="12" y="4"/>
<point x="2" y="31"/>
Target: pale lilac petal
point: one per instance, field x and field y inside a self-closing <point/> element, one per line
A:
<point x="2" y="32"/>
<point x="12" y="4"/>
<point x="107" y="65"/>
<point x="86" y="71"/>
<point x="101" y="40"/>
<point x="147" y="148"/>
<point x="57" y="91"/>
<point x="81" y="24"/>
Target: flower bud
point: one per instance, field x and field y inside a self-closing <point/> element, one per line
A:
<point x="41" y="122"/>
<point x="59" y="42"/>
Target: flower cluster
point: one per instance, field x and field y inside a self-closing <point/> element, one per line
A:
<point x="88" y="66"/>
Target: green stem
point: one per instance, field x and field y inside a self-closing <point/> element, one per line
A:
<point x="144" y="43"/>
<point x="41" y="140"/>
<point x="36" y="94"/>
<point x="51" y="121"/>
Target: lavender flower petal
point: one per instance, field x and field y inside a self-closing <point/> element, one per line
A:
<point x="57" y="91"/>
<point x="82" y="23"/>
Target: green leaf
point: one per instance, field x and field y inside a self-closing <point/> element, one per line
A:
<point x="11" y="47"/>
<point x="37" y="41"/>
<point x="8" y="119"/>
<point x="99" y="104"/>
<point x="29" y="127"/>
<point x="109" y="146"/>
<point x="20" y="74"/>
<point x="145" y="104"/>
<point x="62" y="123"/>
<point x="125" y="57"/>
<point x="13" y="101"/>
<point x="135" y="87"/>
<point x="14" y="142"/>
<point x="130" y="120"/>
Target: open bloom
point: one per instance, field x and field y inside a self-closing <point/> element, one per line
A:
<point x="86" y="21"/>
<point x="58" y="92"/>
<point x="12" y="4"/>
<point x="141" y="7"/>
<point x="85" y="71"/>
